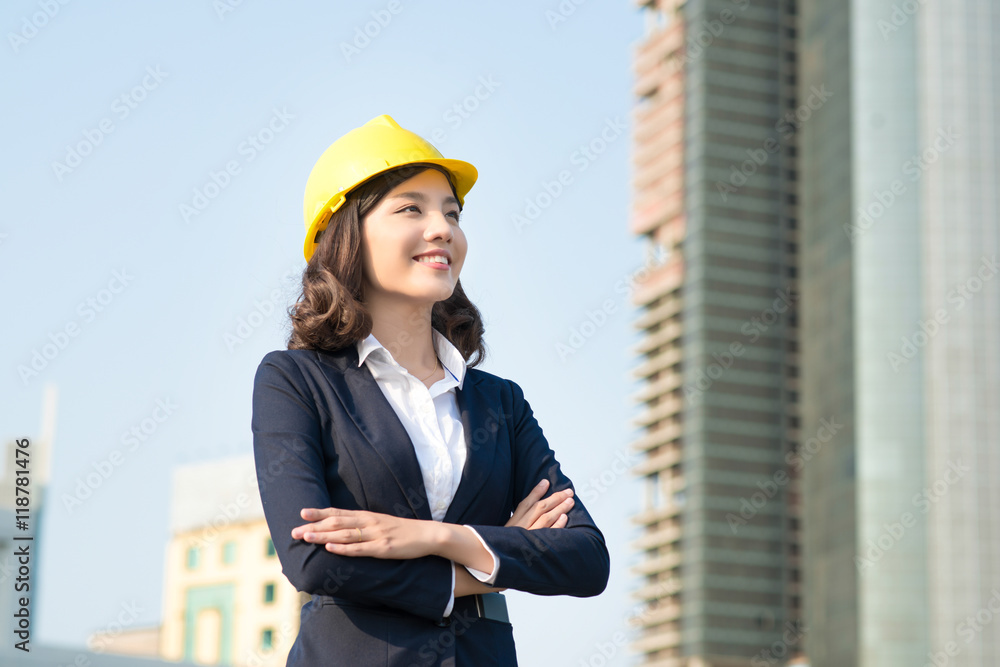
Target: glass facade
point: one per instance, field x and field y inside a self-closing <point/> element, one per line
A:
<point x="901" y="331"/>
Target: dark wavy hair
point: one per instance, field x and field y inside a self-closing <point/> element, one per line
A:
<point x="330" y="313"/>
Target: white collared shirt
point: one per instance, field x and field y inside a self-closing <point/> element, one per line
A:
<point x="434" y="424"/>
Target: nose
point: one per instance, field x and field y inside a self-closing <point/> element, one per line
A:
<point x="438" y="226"/>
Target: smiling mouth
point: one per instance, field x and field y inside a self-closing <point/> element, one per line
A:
<point x="433" y="261"/>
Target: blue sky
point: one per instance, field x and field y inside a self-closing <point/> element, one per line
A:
<point x="126" y="112"/>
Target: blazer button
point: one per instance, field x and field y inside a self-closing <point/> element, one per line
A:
<point x="444" y="622"/>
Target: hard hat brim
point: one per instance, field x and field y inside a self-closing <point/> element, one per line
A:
<point x="464" y="176"/>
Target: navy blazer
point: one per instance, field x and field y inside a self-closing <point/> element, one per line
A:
<point x="324" y="435"/>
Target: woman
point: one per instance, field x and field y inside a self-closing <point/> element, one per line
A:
<point x="389" y="468"/>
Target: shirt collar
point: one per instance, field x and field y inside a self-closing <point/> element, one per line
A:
<point x="450" y="357"/>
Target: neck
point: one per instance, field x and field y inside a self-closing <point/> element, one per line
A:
<point x="405" y="330"/>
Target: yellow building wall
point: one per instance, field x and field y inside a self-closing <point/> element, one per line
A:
<point x="241" y="587"/>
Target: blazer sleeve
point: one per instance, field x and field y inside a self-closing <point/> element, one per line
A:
<point x="572" y="560"/>
<point x="288" y="455"/>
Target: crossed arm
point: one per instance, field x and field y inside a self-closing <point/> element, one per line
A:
<point x="362" y="533"/>
<point x="409" y="563"/>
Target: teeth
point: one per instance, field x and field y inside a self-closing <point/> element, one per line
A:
<point x="434" y="258"/>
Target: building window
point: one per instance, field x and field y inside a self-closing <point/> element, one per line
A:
<point x="653" y="491"/>
<point x="229" y="552"/>
<point x="270" y="548"/>
<point x="193" y="557"/>
<point x="653" y="18"/>
<point x="267" y="639"/>
<point x="268" y="593"/>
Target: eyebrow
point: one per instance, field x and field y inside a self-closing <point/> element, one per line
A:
<point x="421" y="197"/>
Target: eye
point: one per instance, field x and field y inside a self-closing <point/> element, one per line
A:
<point x="457" y="214"/>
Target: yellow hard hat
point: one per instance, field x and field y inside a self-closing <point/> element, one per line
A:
<point x="377" y="146"/>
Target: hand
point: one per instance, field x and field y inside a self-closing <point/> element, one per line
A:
<point x="363" y="533"/>
<point x="532" y="512"/>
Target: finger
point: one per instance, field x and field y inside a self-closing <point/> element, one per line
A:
<point x="547" y="504"/>
<point x="328" y="524"/>
<point x="561" y="521"/>
<point x="313" y="513"/>
<point x="547" y="519"/>
<point x="533" y="496"/>
<point x="525" y="505"/>
<point x="355" y="549"/>
<point x="340" y="536"/>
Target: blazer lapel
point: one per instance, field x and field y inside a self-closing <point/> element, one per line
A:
<point x="375" y="418"/>
<point x="480" y="421"/>
<point x="385" y="434"/>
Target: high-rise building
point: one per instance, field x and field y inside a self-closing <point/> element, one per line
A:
<point x="900" y="238"/>
<point x="715" y="178"/>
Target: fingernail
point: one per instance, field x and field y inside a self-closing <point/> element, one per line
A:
<point x="544" y="481"/>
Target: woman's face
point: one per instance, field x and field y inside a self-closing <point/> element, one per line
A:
<point x="418" y="216"/>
